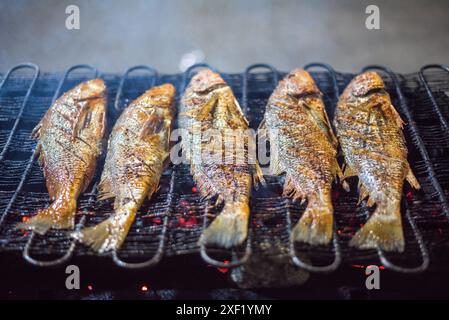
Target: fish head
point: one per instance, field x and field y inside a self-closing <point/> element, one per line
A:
<point x="300" y="86"/>
<point x="205" y="81"/>
<point x="299" y="83"/>
<point x="91" y="89"/>
<point x="364" y="84"/>
<point x="366" y="90"/>
<point x="161" y="96"/>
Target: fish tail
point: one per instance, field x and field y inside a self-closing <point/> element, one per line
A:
<point x="108" y="235"/>
<point x="383" y="230"/>
<point x="316" y="224"/>
<point x="230" y="228"/>
<point x="59" y="215"/>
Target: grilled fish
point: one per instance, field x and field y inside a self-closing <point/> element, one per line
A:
<point x="137" y="149"/>
<point x="210" y="110"/>
<point x="70" y="139"/>
<point x="370" y="132"/>
<point x="304" y="147"/>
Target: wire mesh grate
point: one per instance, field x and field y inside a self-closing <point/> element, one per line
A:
<point x="172" y="221"/>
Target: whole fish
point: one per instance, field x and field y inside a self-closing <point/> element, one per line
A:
<point x="137" y="149"/>
<point x="370" y="132"/>
<point x="303" y="147"/>
<point x="70" y="137"/>
<point x="210" y="109"/>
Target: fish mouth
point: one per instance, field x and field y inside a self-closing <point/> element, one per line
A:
<point x="375" y="91"/>
<point x="365" y="83"/>
<point x="206" y="81"/>
<point x="303" y="95"/>
<point x="212" y="87"/>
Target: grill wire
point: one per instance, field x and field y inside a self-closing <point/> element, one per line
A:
<point x="171" y="222"/>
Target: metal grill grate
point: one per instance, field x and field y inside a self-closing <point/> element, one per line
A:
<point x="171" y="222"/>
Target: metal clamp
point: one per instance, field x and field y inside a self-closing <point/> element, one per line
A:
<point x="25" y="174"/>
<point x="154" y="77"/>
<point x="335" y="243"/>
<point x="24" y="102"/>
<point x="436" y="107"/>
<point x="245" y="81"/>
<point x="34" y="151"/>
<point x="52" y="263"/>
<point x="332" y="74"/>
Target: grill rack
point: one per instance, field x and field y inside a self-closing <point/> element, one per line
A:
<point x="405" y="110"/>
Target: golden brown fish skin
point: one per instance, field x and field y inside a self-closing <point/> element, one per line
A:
<point x="370" y="133"/>
<point x="70" y="139"/>
<point x="137" y="149"/>
<point x="209" y="104"/>
<point x="303" y="147"/>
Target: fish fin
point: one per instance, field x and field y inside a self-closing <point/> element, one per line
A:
<point x="363" y="193"/>
<point x="348" y="172"/>
<point x="108" y="235"/>
<point x="41" y="158"/>
<point x="105" y="185"/>
<point x="82" y="119"/>
<point x="290" y="189"/>
<point x="383" y="230"/>
<point x="36" y="133"/>
<point x="344" y="174"/>
<point x="258" y="176"/>
<point x="236" y="106"/>
<point x="316" y="224"/>
<point x="322" y="120"/>
<point x="155" y="189"/>
<point x="396" y="116"/>
<point x="340" y="176"/>
<point x="105" y="190"/>
<point x="412" y="179"/>
<point x="154" y="125"/>
<point x="205" y="110"/>
<point x="331" y="135"/>
<point x="230" y="227"/>
<point x="59" y="215"/>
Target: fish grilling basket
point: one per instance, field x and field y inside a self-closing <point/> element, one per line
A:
<point x="171" y="222"/>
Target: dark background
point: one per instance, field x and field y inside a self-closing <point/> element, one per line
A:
<point x="230" y="34"/>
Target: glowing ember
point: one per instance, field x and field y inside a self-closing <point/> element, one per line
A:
<point x="191" y="222"/>
<point x="184" y="203"/>
<point x="194" y="189"/>
<point x="90" y="287"/>
<point x="409" y="196"/>
<point x="25" y="218"/>
<point x="224" y="270"/>
<point x="362" y="266"/>
<point x="144" y="288"/>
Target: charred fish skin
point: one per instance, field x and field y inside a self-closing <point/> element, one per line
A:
<point x="137" y="150"/>
<point x="304" y="147"/>
<point x="209" y="105"/>
<point x="370" y="133"/>
<point x="70" y="137"/>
